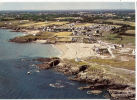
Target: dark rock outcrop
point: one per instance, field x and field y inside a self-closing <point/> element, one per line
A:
<point x="97" y="81"/>
<point x="122" y="94"/>
<point x="22" y="40"/>
<point x="83" y="68"/>
<point x="48" y="62"/>
<point x="95" y="92"/>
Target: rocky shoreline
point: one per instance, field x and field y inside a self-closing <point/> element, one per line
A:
<point x="97" y="81"/>
<point x="19" y="40"/>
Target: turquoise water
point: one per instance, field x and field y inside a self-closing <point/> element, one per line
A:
<point x="16" y="61"/>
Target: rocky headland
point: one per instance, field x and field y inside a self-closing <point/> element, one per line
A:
<point x="98" y="78"/>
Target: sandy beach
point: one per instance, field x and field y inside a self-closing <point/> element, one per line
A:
<point x="76" y="50"/>
<point x="40" y="41"/>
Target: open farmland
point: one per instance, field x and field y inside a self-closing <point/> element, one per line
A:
<point x="114" y="62"/>
<point x="14" y="23"/>
<point x="83" y="24"/>
<point x="43" y="24"/>
<point x="121" y="22"/>
<point x="119" y="39"/>
<point x="63" y="34"/>
<point x="64" y="39"/>
<point x="65" y="18"/>
<point x="130" y="32"/>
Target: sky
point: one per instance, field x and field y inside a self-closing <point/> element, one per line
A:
<point x="65" y="5"/>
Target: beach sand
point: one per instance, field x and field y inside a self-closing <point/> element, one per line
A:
<point x="76" y="50"/>
<point x="40" y="41"/>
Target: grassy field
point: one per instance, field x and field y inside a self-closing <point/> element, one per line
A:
<point x="58" y="23"/>
<point x="112" y="38"/>
<point x="114" y="63"/>
<point x="2" y="24"/>
<point x="100" y="68"/>
<point x="121" y="22"/>
<point x="27" y="23"/>
<point x="72" y="61"/>
<point x="42" y="24"/>
<point x="65" y="18"/>
<point x="128" y="39"/>
<point x="44" y="35"/>
<point x="115" y="38"/>
<point x="14" y="23"/>
<point x="52" y="36"/>
<point x="116" y="22"/>
<point x="63" y="34"/>
<point x="64" y="39"/>
<point x="31" y="24"/>
<point x="130" y="31"/>
<point x="83" y="24"/>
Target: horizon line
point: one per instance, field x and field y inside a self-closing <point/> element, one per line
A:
<point x="66" y="9"/>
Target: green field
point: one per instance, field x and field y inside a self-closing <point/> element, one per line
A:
<point x="14" y="23"/>
<point x="27" y="23"/>
<point x="119" y="39"/>
<point x="65" y="18"/>
<point x="115" y="63"/>
<point x="42" y="24"/>
<point x="130" y="31"/>
<point x="121" y="22"/>
<point x="101" y="68"/>
<point x="63" y="34"/>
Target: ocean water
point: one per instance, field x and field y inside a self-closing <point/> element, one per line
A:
<point x="16" y="61"/>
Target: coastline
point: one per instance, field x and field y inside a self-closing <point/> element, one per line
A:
<point x="83" y="50"/>
<point x="56" y="48"/>
<point x="25" y="31"/>
<point x="72" y="50"/>
<point x="77" y="50"/>
<point x="99" y="78"/>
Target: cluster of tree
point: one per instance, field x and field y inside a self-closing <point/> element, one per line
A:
<point x="37" y="16"/>
<point x="42" y="17"/>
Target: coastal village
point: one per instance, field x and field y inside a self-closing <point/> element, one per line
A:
<point x="100" y="52"/>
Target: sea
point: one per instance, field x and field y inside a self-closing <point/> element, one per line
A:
<point x="17" y="60"/>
